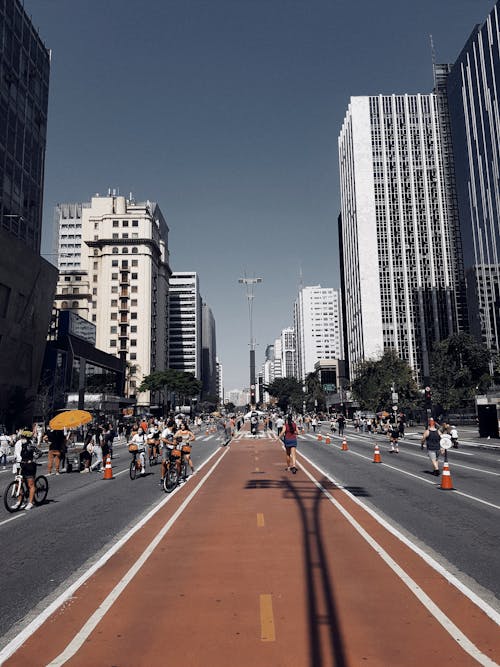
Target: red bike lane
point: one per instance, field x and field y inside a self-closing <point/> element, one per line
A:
<point x="251" y="565"/>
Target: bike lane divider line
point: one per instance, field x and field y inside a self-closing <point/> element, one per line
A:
<point x="455" y="607"/>
<point x="69" y="597"/>
<point x="260" y="520"/>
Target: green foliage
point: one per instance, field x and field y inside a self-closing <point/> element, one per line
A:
<point x="459" y="369"/>
<point x="288" y="392"/>
<point x="375" y="380"/>
<point x="315" y="395"/>
<point x="183" y="384"/>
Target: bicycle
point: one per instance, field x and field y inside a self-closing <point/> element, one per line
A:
<point x="171" y="478"/>
<point x="135" y="463"/>
<point x="16" y="495"/>
<point x="185" y="452"/>
<point x="153" y="451"/>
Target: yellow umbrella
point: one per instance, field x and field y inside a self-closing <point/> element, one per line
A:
<point x="70" y="419"/>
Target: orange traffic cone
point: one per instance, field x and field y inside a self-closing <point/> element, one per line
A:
<point x="376" y="455"/>
<point x="207" y="432"/>
<point x="446" y="482"/>
<point x="108" y="471"/>
<point x="320" y="437"/>
<point x="344" y="446"/>
<point x="327" y="440"/>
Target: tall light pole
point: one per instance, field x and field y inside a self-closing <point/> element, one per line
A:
<point x="249" y="286"/>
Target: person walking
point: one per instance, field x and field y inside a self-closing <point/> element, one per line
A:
<point x="454" y="437"/>
<point x="57" y="441"/>
<point x="394" y="438"/>
<point x="288" y="435"/>
<point x="431" y="439"/>
<point x="280" y="422"/>
<point x="341" y="423"/>
<point x="314" y="423"/>
<point x="5" y="442"/>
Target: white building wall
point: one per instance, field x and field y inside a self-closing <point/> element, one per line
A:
<point x="318" y="327"/>
<point x="185" y="313"/>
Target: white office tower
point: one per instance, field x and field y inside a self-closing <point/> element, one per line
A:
<point x="220" y="380"/>
<point x="288" y="353"/>
<point x="185" y="316"/>
<point x="397" y="229"/>
<point x="278" y="359"/>
<point x="68" y="227"/>
<point x="125" y="257"/>
<point x="318" y="327"/>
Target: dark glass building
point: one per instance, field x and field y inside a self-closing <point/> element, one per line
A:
<point x="473" y="87"/>
<point x="27" y="282"/>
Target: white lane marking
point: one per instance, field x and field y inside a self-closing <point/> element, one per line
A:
<point x="450" y="627"/>
<point x="428" y="481"/>
<point x="473" y="597"/>
<point x="13" y="518"/>
<point x="24" y="634"/>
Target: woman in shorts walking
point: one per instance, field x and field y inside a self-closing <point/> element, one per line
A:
<point x="289" y="436"/>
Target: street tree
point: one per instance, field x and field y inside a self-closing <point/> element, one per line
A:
<point x="288" y="393"/>
<point x="377" y="380"/>
<point x="460" y="368"/>
<point x="315" y="396"/>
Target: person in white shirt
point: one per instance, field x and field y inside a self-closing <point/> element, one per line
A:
<point x="454" y="437"/>
<point x="5" y="442"/>
<point x="280" y="422"/>
<point x="139" y="439"/>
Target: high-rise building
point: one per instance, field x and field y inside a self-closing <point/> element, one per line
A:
<point x="185" y="323"/>
<point x="317" y="326"/>
<point x="27" y="281"/>
<point x="473" y="87"/>
<point x="288" y="353"/>
<point x="220" y="381"/>
<point x="402" y="270"/>
<point x="208" y="352"/>
<point x="278" y="359"/>
<point x="124" y="255"/>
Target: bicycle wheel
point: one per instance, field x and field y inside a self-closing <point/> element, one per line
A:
<point x="41" y="489"/>
<point x="171" y="479"/>
<point x="11" y="496"/>
<point x="133" y="469"/>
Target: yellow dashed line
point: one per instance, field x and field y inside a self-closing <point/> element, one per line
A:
<point x="260" y="520"/>
<point x="267" y="633"/>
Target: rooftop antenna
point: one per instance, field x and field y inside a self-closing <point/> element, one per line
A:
<point x="433" y="55"/>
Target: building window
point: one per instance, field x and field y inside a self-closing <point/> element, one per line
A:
<point x="133" y="316"/>
<point x="133" y="328"/>
<point x="114" y="236"/>
<point x="115" y="223"/>
<point x="114" y="303"/>
<point x="114" y="316"/>
<point x="112" y="343"/>
<point x="133" y="342"/>
<point x="114" y="289"/>
<point x="124" y="251"/>
<point x="74" y="304"/>
<point x="114" y="262"/>
<point x="64" y="304"/>
<point x="115" y="251"/>
<point x="114" y="276"/>
<point x="125" y="223"/>
<point x="135" y="223"/>
<point x="94" y="318"/>
<point x="135" y="276"/>
<point x="113" y="330"/>
<point x="96" y="265"/>
<point x="135" y="251"/>
<point x="133" y="355"/>
<point x="135" y="262"/>
<point x="125" y="236"/>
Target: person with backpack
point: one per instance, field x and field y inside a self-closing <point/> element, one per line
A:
<point x="288" y="435"/>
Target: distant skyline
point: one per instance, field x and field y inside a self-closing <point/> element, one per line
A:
<point x="227" y="114"/>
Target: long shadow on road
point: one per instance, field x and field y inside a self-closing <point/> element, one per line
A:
<point x="326" y="646"/>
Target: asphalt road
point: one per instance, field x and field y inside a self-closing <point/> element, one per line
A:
<point x="47" y="548"/>
<point x="460" y="528"/>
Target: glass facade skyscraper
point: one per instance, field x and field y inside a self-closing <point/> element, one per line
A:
<point x="473" y="87"/>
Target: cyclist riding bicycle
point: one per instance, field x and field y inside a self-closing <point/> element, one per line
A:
<point x="25" y="454"/>
<point x="185" y="436"/>
<point x="139" y="439"/>
<point x="167" y="444"/>
<point x="153" y="438"/>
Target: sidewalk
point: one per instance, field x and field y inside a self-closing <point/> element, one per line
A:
<point x="250" y="565"/>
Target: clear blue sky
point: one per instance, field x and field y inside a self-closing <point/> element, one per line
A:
<point x="227" y="113"/>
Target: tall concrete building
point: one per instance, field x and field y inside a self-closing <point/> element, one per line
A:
<point x="208" y="352"/>
<point x="27" y="281"/>
<point x="185" y="316"/>
<point x="124" y="255"/>
<point x="288" y="353"/>
<point x="317" y="326"/>
<point x="400" y="256"/>
<point x="473" y="88"/>
<point x="220" y="381"/>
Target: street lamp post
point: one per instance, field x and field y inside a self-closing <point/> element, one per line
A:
<point x="249" y="285"/>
